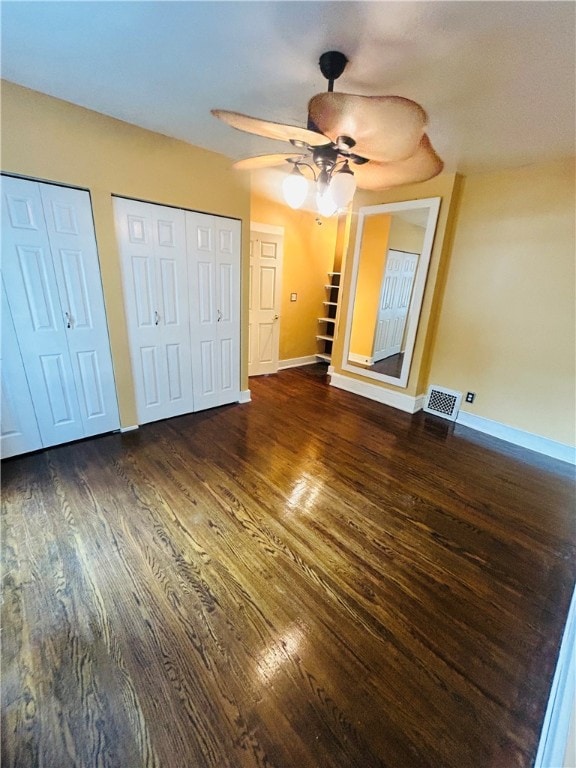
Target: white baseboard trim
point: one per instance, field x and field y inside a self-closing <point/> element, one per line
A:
<point x="360" y="359"/>
<point x="561" y="703"/>
<point x="296" y="362"/>
<point x="129" y="429"/>
<point x="245" y="396"/>
<point x="373" y="392"/>
<point x="518" y="437"/>
<point x="410" y="404"/>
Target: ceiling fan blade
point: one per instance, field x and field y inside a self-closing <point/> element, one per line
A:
<point x="269" y="129"/>
<point x="423" y="165"/>
<point x="385" y="128"/>
<point x="265" y="161"/>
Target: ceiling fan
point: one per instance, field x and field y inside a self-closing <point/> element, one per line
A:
<point x="382" y="137"/>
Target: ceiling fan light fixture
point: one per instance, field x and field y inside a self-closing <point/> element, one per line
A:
<point x="295" y="188"/>
<point x="325" y="203"/>
<point x="343" y="186"/>
<point x="387" y="134"/>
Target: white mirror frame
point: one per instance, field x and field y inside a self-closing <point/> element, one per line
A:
<point x="433" y="206"/>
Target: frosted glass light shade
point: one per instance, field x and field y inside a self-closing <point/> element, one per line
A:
<point x="295" y="188"/>
<point x="325" y="203"/>
<point x="342" y="188"/>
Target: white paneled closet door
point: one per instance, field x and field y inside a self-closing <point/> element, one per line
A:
<point x="52" y="279"/>
<point x="68" y="215"/>
<point x="19" y="431"/>
<point x="152" y="242"/>
<point x="214" y="268"/>
<point x="394" y="303"/>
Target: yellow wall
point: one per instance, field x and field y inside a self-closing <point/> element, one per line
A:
<point x="309" y="250"/>
<point x="507" y="325"/>
<point x="52" y="140"/>
<point x="445" y="187"/>
<point x="506" y="328"/>
<point x="373" y="250"/>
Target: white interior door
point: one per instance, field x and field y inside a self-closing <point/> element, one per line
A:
<point x="152" y="243"/>
<point x="265" y="299"/>
<point x="394" y="303"/>
<point x="19" y="431"/>
<point x="214" y="273"/>
<point x="68" y="216"/>
<point x="39" y="320"/>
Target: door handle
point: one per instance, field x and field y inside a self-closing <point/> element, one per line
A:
<point x="276" y="317"/>
<point x="156" y="318"/>
<point x="219" y="315"/>
<point x="68" y="320"/>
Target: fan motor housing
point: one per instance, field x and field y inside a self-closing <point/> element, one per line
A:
<point x="325" y="157"/>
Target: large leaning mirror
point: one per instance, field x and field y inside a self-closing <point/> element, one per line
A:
<point x="390" y="264"/>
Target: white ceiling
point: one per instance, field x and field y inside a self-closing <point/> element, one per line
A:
<point x="496" y="78"/>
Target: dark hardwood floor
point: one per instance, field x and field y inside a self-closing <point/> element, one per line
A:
<point x="310" y="579"/>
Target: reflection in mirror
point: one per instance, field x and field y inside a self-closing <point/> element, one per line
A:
<point x="393" y="246"/>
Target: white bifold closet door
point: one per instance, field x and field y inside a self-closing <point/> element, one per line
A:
<point x="152" y="242"/>
<point x="214" y="268"/>
<point x="19" y="431"/>
<point x="181" y="276"/>
<point x="53" y="294"/>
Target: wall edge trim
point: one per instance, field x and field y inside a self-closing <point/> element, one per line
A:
<point x="295" y="362"/>
<point x="519" y="437"/>
<point x="398" y="400"/>
<point x="245" y="396"/>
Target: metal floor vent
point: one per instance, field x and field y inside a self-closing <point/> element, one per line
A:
<point x="443" y="402"/>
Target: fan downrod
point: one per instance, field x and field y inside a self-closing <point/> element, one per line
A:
<point x="332" y="64"/>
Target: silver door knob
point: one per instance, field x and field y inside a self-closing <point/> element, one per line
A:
<point x="156" y="318"/>
<point x="219" y="315"/>
<point x="276" y="317"/>
<point x="68" y="320"/>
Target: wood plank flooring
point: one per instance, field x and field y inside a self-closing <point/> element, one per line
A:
<point x="310" y="579"/>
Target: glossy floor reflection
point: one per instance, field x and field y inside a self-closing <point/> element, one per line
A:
<point x="310" y="579"/>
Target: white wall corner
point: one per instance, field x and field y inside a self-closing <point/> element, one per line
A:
<point x="399" y="400"/>
<point x="296" y="362"/>
<point x="527" y="440"/>
<point x="245" y="396"/>
<point x="420" y="401"/>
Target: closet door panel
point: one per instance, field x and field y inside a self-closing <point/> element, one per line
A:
<point x="228" y="302"/>
<point x="150" y="368"/>
<point x="39" y="322"/>
<point x="207" y="373"/>
<point x="70" y="227"/>
<point x="200" y="235"/>
<point x="135" y="233"/>
<point x="170" y="248"/>
<point x="153" y="249"/>
<point x="19" y="431"/>
<point x="226" y="365"/>
<point x="214" y="251"/>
